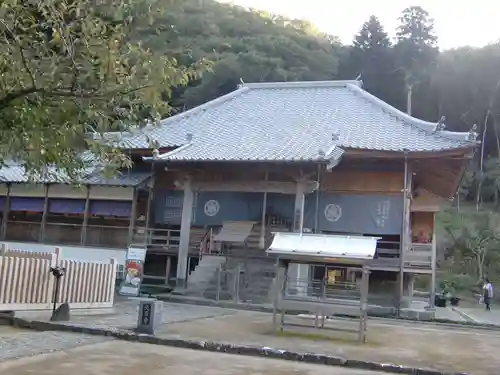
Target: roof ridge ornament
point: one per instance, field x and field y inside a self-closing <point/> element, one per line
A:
<point x="440" y="126"/>
<point x="359" y="79"/>
<point x="472" y="136"/>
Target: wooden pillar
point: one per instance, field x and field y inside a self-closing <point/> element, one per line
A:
<point x="133" y="215"/>
<point x="318" y="193"/>
<point x="298" y="218"/>
<point x="43" y="223"/>
<point x="432" y="294"/>
<point x="6" y="211"/>
<point x="168" y="268"/>
<point x="187" y="214"/>
<point x="406" y="228"/>
<point x="86" y="214"/>
<point x="300" y="272"/>
<point x="262" y="239"/>
<point x="148" y="211"/>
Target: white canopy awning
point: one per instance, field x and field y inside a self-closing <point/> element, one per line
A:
<point x="323" y="246"/>
<point x="234" y="231"/>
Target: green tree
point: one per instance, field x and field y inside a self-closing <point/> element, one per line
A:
<point x="371" y="57"/>
<point x="416" y="55"/>
<point x="475" y="237"/>
<point x="252" y="46"/>
<point x="69" y="66"/>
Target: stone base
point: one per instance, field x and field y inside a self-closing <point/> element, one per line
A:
<point x="61" y="314"/>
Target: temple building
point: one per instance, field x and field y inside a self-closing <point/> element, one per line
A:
<point x="315" y="157"/>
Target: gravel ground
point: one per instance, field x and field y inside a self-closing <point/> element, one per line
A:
<point x="29" y="343"/>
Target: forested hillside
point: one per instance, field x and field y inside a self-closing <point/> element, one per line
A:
<point x="256" y="46"/>
<point x="243" y="45"/>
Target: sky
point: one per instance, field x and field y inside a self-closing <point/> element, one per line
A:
<point x="457" y="23"/>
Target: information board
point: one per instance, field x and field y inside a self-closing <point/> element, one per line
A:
<point x="134" y="270"/>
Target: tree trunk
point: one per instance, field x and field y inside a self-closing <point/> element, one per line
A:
<point x="481" y="161"/>
<point x="479" y="267"/>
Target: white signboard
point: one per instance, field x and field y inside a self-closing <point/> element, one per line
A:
<point x="134" y="270"/>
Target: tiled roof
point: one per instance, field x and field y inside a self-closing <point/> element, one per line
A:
<point x="15" y="172"/>
<point x="126" y="178"/>
<point x="293" y="121"/>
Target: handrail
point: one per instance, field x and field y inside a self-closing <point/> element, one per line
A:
<point x="203" y="244"/>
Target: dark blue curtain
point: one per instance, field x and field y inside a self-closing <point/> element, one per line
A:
<point x="110" y="208"/>
<point x="27" y="204"/>
<point x="215" y="207"/>
<point x="167" y="206"/>
<point x="363" y="214"/>
<point x="67" y="206"/>
<point x="281" y="205"/>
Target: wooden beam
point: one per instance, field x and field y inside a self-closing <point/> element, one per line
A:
<point x="86" y="214"/>
<point x="43" y="223"/>
<point x="465" y="152"/>
<point x="6" y="212"/>
<point x="255" y="186"/>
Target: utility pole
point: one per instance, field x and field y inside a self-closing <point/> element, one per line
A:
<point x="409" y="92"/>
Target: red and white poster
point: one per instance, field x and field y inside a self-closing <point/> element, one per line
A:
<point x="134" y="269"/>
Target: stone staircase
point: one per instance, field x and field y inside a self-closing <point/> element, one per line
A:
<point x="256" y="268"/>
<point x="202" y="277"/>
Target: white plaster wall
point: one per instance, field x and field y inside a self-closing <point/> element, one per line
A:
<point x="27" y="190"/>
<point x="69" y="191"/>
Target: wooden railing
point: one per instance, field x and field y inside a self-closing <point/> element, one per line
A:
<point x="206" y="244"/>
<point x="419" y="256"/>
<point x="164" y="237"/>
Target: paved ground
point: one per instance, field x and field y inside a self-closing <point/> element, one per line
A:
<point x="124" y="314"/>
<point x="480" y="315"/>
<point x="450" y="349"/>
<point x="446" y="349"/>
<point x="125" y="358"/>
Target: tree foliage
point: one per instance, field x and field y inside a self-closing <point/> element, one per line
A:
<point x="70" y="65"/>
<point x="475" y="237"/>
<point x="249" y="46"/>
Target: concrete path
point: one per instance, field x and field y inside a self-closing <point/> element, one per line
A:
<point x="125" y="358"/>
<point x="480" y="315"/>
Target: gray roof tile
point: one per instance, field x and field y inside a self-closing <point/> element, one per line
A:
<point x="293" y="121"/>
<point x="15" y="172"/>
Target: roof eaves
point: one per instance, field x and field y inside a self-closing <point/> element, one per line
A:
<point x="426" y="126"/>
<point x="167" y="155"/>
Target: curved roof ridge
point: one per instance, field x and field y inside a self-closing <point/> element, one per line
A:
<point x="299" y="84"/>
<point x="426" y="126"/>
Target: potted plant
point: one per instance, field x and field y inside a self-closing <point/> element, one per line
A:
<point x="440" y="300"/>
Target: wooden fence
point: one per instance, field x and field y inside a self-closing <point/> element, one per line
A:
<point x="27" y="284"/>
